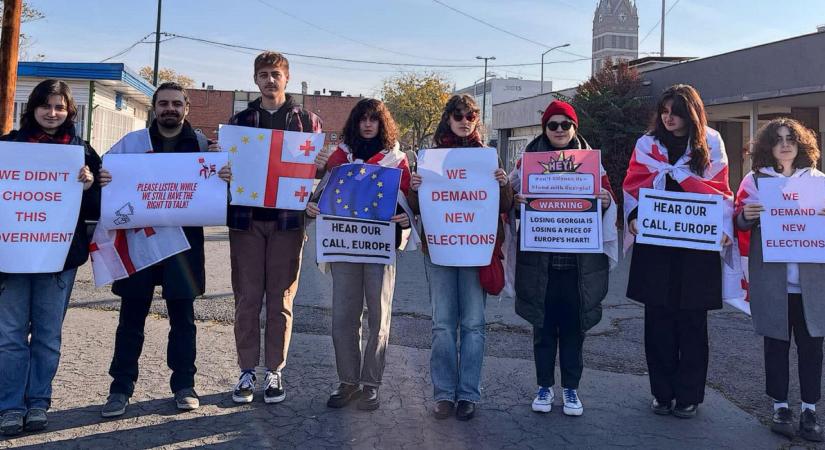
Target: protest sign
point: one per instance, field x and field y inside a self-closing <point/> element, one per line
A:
<point x="163" y="189"/>
<point x="365" y="191"/>
<point x="41" y="203"/>
<point x="565" y="172"/>
<point x="270" y="168"/>
<point x="459" y="200"/>
<point x="562" y="225"/>
<point x="339" y="239"/>
<point x="792" y="229"/>
<point x="680" y="219"/>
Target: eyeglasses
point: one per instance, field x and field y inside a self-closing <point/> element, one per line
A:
<point x="470" y="116"/>
<point x="553" y="125"/>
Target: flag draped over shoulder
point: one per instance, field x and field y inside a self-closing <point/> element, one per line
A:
<point x="117" y="254"/>
<point x="271" y="168"/>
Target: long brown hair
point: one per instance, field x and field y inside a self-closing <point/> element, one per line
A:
<point x="40" y="96"/>
<point x="457" y="102"/>
<point x="767" y="138"/>
<point x="372" y="108"/>
<point x="688" y="105"/>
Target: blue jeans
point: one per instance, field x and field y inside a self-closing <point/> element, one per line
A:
<point x="458" y="304"/>
<point x="31" y="304"/>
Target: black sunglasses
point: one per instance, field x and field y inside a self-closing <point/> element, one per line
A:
<point x="470" y="116"/>
<point x="553" y="125"/>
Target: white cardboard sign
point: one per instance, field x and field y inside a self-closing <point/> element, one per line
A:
<point x="680" y="219"/>
<point x="344" y="239"/>
<point x="562" y="225"/>
<point x="792" y="229"/>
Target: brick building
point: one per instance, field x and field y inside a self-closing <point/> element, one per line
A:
<point x="210" y="107"/>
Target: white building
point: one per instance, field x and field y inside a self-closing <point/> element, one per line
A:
<point x="500" y="90"/>
<point x="111" y="99"/>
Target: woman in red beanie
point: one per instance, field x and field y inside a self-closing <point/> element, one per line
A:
<point x="560" y="294"/>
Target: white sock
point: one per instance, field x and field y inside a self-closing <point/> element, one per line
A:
<point x="777" y="405"/>
<point x="810" y="406"/>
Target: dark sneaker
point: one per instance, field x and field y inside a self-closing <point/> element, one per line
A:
<point x="343" y="395"/>
<point x="783" y="422"/>
<point x="115" y="405"/>
<point x="661" y="408"/>
<point x="465" y="410"/>
<point x="443" y="409"/>
<point x="685" y="411"/>
<point x="369" y="398"/>
<point x="244" y="389"/>
<point x="12" y="423"/>
<point x="36" y="419"/>
<point x="808" y="428"/>
<point x="187" y="399"/>
<point x="274" y="391"/>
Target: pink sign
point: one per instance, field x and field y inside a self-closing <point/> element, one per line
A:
<point x="565" y="172"/>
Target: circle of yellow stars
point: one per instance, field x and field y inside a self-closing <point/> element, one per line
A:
<point x="350" y="173"/>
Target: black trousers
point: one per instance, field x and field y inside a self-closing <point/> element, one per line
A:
<point x="676" y="347"/>
<point x="180" y="350"/>
<point x="562" y="330"/>
<point x="809" y="355"/>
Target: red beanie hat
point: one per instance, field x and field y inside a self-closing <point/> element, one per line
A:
<point x="559" y="107"/>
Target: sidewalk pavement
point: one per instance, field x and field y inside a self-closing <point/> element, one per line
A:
<point x="617" y="405"/>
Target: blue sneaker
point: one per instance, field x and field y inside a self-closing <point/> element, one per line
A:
<point x="543" y="402"/>
<point x="572" y="405"/>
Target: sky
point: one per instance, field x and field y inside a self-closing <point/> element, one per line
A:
<point x="394" y="31"/>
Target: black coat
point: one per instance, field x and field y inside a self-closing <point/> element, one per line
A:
<point x="89" y="206"/>
<point x="182" y="275"/>
<point x="533" y="268"/>
<point x="677" y="278"/>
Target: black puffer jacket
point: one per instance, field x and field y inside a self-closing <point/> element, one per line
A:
<point x="532" y="269"/>
<point x="89" y="206"/>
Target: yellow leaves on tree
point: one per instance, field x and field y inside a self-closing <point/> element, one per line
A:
<point x="166" y="74"/>
<point x="416" y="101"/>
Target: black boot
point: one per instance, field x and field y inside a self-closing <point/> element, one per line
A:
<point x="783" y="422"/>
<point x="443" y="409"/>
<point x="369" y="398"/>
<point x="465" y="410"/>
<point x="343" y="395"/>
<point x="808" y="428"/>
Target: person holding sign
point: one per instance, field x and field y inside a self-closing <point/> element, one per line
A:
<point x="456" y="293"/>
<point x="265" y="244"/>
<point x="34" y="304"/>
<point x="370" y="136"/>
<point x="182" y="275"/>
<point x="677" y="285"/>
<point x="561" y="293"/>
<point x="785" y="298"/>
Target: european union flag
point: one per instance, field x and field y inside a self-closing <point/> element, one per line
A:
<point x="365" y="191"/>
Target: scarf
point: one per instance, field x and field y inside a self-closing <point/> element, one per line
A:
<point x="41" y="137"/>
<point x="450" y="140"/>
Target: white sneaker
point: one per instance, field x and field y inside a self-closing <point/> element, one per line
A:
<point x="245" y="388"/>
<point x="572" y="405"/>
<point x="544" y="400"/>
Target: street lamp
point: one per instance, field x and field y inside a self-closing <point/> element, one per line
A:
<point x="541" y="88"/>
<point x="484" y="93"/>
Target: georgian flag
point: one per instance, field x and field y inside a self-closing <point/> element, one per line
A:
<point x="270" y="168"/>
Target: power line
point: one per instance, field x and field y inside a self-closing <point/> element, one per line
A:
<point x="658" y="22"/>
<point x="335" y="33"/>
<point x="495" y="27"/>
<point x="129" y="48"/>
<point x="363" y="61"/>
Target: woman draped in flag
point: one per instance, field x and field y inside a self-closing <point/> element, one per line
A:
<point x="677" y="285"/>
<point x="370" y="136"/>
<point x="560" y="294"/>
<point x="785" y="298"/>
<point x="34" y="304"/>
<point x="456" y="293"/>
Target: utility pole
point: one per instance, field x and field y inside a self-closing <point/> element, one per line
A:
<point x="662" y="39"/>
<point x="9" y="42"/>
<point x="484" y="93"/>
<point x="157" y="47"/>
<point x="541" y="88"/>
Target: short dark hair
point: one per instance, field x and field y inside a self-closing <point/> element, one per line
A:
<point x="271" y="59"/>
<point x="170" y="86"/>
<point x="767" y="137"/>
<point x="372" y="108"/>
<point x="40" y="96"/>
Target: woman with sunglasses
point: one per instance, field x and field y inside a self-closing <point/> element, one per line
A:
<point x="560" y="294"/>
<point x="678" y="286"/>
<point x="370" y="136"/>
<point x="33" y="305"/>
<point x="456" y="294"/>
